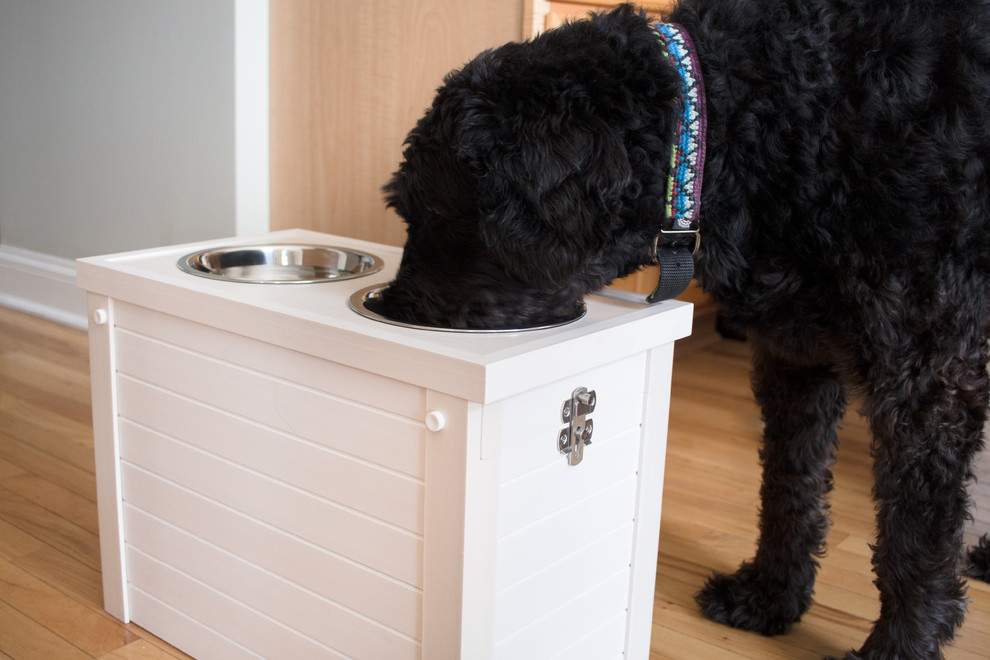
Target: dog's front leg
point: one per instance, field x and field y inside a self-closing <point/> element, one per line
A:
<point x="802" y="406"/>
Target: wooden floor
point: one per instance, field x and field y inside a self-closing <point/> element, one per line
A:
<point x="50" y="594"/>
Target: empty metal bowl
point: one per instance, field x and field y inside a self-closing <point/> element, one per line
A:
<point x="280" y="264"/>
<point x="366" y="303"/>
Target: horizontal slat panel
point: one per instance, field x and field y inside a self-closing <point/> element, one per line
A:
<point x="606" y="643"/>
<point x="330" y="377"/>
<point x="528" y="423"/>
<point x="575" y="525"/>
<point x="564" y="581"/>
<point x="297" y="609"/>
<point x="549" y="635"/>
<point x="356" y="587"/>
<point x="368" y="433"/>
<point x="187" y="635"/>
<point x="218" y="612"/>
<point x="378" y="492"/>
<point x="375" y="544"/>
<point x="540" y="493"/>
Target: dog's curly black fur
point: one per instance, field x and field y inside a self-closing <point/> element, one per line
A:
<point x="846" y="231"/>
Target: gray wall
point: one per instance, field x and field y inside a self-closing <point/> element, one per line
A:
<point x="116" y="124"/>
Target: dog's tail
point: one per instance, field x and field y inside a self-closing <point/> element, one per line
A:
<point x="979" y="560"/>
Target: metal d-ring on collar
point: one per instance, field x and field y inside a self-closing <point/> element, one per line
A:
<point x="687" y="161"/>
<point x="675" y="233"/>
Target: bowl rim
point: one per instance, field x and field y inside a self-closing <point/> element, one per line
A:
<point x="358" y="299"/>
<point x="186" y="263"/>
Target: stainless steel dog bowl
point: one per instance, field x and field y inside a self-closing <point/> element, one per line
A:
<point x="280" y="264"/>
<point x="366" y="303"/>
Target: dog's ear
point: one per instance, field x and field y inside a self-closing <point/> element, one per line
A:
<point x="550" y="190"/>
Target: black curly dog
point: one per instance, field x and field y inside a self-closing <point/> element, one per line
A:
<point x="845" y="224"/>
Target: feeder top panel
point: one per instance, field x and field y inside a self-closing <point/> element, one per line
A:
<point x="316" y="319"/>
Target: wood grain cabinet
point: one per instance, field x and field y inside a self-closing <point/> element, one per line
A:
<point x="349" y="79"/>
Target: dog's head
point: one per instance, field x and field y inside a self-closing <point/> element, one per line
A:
<point x="537" y="176"/>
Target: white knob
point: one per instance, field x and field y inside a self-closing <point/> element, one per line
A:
<point x="435" y="420"/>
<point x="100" y="316"/>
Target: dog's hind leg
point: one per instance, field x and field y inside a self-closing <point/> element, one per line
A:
<point x="926" y="407"/>
<point x="802" y="406"/>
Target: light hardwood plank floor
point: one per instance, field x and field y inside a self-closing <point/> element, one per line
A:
<point x="50" y="593"/>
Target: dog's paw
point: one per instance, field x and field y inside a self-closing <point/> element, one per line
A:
<point x="748" y="601"/>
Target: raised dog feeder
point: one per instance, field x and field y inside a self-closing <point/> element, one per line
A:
<point x="280" y="264"/>
<point x="280" y="477"/>
<point x="366" y="302"/>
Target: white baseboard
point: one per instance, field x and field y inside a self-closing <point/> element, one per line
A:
<point x="42" y="285"/>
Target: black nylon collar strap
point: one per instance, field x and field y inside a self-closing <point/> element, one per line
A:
<point x="676" y="266"/>
<point x="677" y="242"/>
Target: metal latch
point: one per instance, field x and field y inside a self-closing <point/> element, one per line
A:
<point x="571" y="440"/>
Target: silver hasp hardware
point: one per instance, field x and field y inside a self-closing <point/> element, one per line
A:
<point x="573" y="412"/>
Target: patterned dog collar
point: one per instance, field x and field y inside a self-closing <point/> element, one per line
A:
<point x="687" y="161"/>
